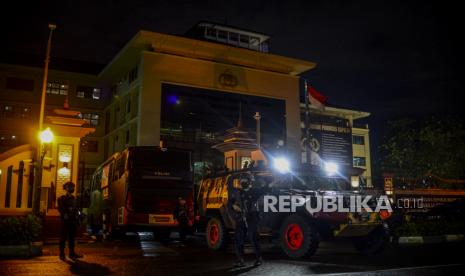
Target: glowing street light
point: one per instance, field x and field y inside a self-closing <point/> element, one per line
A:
<point x="46" y="136"/>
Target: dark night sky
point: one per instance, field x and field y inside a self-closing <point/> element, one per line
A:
<point x="391" y="58"/>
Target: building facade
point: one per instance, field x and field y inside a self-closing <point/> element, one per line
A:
<point x="183" y="91"/>
<point x="20" y="91"/>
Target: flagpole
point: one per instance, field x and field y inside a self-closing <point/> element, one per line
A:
<point x="307" y="125"/>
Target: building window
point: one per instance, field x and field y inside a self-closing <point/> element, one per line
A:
<point x="358" y="140"/>
<point x="90" y="118"/>
<point x="88" y="92"/>
<point x="20" y="84"/>
<point x="96" y="94"/>
<point x="8" y="111"/>
<point x="222" y="35"/>
<point x="244" y="39"/>
<point x="359" y="161"/>
<point x="25" y="112"/>
<point x="233" y="37"/>
<point x="57" y="88"/>
<point x="211" y="33"/>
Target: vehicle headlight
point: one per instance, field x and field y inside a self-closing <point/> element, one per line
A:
<point x="331" y="168"/>
<point x="281" y="165"/>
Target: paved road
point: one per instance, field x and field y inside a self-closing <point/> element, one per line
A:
<point x="146" y="256"/>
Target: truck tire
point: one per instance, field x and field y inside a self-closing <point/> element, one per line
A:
<point x="373" y="243"/>
<point x="216" y="234"/>
<point x="298" y="237"/>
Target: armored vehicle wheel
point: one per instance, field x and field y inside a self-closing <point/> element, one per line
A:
<point x="298" y="237"/>
<point x="216" y="234"/>
<point x="375" y="242"/>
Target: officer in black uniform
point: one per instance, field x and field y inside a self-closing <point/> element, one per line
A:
<point x="181" y="214"/>
<point x="243" y="207"/>
<point x="69" y="215"/>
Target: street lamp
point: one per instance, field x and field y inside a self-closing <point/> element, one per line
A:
<point x="46" y="138"/>
<point x="38" y="174"/>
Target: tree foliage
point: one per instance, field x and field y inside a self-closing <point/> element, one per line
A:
<point x="413" y="148"/>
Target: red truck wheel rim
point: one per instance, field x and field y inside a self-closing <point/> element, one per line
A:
<point x="213" y="234"/>
<point x="293" y="236"/>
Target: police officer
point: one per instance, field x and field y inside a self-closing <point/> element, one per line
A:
<point x="181" y="214"/>
<point x="244" y="210"/>
<point x="69" y="215"/>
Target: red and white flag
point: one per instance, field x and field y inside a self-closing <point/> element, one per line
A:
<point x="315" y="98"/>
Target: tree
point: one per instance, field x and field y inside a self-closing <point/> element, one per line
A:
<point x="413" y="149"/>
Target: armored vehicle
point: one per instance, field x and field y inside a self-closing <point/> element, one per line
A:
<point x="298" y="232"/>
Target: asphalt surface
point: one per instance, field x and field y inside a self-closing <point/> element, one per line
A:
<point x="144" y="255"/>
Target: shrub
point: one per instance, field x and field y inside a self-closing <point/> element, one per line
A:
<point x="20" y="230"/>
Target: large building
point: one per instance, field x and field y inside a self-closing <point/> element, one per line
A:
<point x="182" y="90"/>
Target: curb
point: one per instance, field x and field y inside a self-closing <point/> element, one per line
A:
<point x="428" y="239"/>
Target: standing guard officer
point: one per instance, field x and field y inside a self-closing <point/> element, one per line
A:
<point x="69" y="215"/>
<point x="181" y="214"/>
<point x="243" y="207"/>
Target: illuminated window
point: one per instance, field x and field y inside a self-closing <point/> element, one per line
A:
<point x="25" y="112"/>
<point x="57" y="88"/>
<point x="90" y="118"/>
<point x="88" y="92"/>
<point x="359" y="161"/>
<point x="96" y="94"/>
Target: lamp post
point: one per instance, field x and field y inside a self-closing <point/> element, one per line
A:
<point x="40" y="155"/>
<point x="257" y="118"/>
<point x="46" y="138"/>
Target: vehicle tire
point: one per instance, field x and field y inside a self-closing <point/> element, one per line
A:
<point x="298" y="237"/>
<point x="216" y="234"/>
<point x="373" y="243"/>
